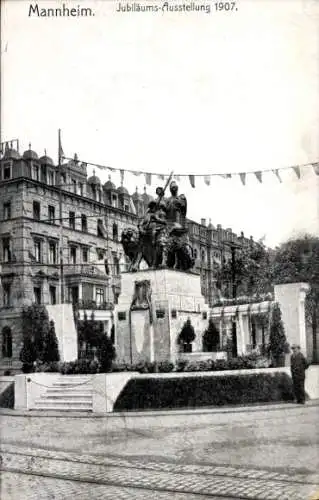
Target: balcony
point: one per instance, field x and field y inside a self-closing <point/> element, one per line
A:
<point x="93" y="305"/>
<point x="87" y="270"/>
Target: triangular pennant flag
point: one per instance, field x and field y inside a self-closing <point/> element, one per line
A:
<point x="259" y="176"/>
<point x="122" y="177"/>
<point x="242" y="176"/>
<point x="161" y="177"/>
<point x="148" y="179"/>
<point x="207" y="180"/>
<point x="192" y="180"/>
<point x="136" y="173"/>
<point x="315" y="167"/>
<point x="111" y="169"/>
<point x="225" y="176"/>
<point x="177" y="178"/>
<point x="102" y="167"/>
<point x="297" y="171"/>
<point x="276" y="172"/>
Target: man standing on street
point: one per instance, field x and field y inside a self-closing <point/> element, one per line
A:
<point x="298" y="366"/>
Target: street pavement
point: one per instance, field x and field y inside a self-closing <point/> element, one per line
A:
<point x="268" y="453"/>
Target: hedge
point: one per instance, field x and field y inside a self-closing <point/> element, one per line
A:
<point x="191" y="392"/>
<point x="7" y="397"/>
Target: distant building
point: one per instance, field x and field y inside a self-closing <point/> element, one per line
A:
<point x="93" y="215"/>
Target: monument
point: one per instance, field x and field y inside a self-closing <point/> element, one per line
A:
<point x="155" y="303"/>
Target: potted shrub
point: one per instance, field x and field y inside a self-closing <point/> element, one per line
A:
<point x="186" y="336"/>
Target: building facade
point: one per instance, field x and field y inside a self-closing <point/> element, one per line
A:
<point x="60" y="241"/>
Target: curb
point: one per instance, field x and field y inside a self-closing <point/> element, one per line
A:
<point x="157" y="413"/>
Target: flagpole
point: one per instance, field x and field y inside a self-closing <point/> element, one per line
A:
<point x="61" y="216"/>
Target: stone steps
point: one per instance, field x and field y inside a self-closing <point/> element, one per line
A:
<point x="68" y="393"/>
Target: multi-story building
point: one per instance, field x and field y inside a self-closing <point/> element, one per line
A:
<point x="60" y="241"/>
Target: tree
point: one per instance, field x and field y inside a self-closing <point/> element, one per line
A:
<point x="211" y="337"/>
<point x="251" y="268"/>
<point x="187" y="336"/>
<point x="35" y="327"/>
<point x="105" y="353"/>
<point x="51" y="347"/>
<point x="278" y="345"/>
<point x="298" y="261"/>
<point x="28" y="355"/>
<point x="91" y="333"/>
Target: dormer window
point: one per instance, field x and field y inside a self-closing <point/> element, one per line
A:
<point x="7" y="171"/>
<point x="51" y="178"/>
<point x="35" y="172"/>
<point x="114" y="200"/>
<point x="74" y="185"/>
<point x="43" y="173"/>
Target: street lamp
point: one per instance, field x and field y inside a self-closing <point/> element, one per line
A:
<point x="233" y="247"/>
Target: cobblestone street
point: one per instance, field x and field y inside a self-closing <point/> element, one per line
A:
<point x="264" y="454"/>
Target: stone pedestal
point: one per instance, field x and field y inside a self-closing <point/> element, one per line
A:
<point x="152" y="308"/>
<point x="291" y="298"/>
<point x="62" y="315"/>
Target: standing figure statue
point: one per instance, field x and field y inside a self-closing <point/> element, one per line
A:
<point x="176" y="206"/>
<point x="152" y="231"/>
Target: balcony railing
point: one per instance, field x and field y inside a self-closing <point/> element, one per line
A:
<point x="92" y="304"/>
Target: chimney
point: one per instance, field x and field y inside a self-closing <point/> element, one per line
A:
<point x="203" y="222"/>
<point x="219" y="227"/>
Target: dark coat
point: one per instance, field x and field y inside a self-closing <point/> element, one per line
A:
<point x="298" y="365"/>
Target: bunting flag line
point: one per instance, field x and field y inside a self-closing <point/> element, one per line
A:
<point x="207" y="177"/>
<point x="276" y="172"/>
<point x="259" y="176"/>
<point x="242" y="176"/>
<point x="297" y="171"/>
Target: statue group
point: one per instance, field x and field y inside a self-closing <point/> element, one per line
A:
<point x="161" y="238"/>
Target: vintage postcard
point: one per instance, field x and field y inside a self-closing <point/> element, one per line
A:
<point x="159" y="249"/>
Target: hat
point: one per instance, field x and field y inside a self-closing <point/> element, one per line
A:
<point x="295" y="346"/>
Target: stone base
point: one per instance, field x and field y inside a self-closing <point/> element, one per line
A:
<point x="150" y="316"/>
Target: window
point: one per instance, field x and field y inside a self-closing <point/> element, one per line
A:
<point x="62" y="179"/>
<point x="74" y="185"/>
<point x="7" y="210"/>
<point x="115" y="232"/>
<point x="114" y="200"/>
<point x="81" y="188"/>
<point x="6" y="342"/>
<point x="202" y="255"/>
<point x="38" y="250"/>
<point x="84" y="223"/>
<point x="160" y="313"/>
<point x="7" y="294"/>
<point x="195" y="253"/>
<point x="37" y="294"/>
<point x="99" y="296"/>
<point x="52" y="292"/>
<point x="116" y="265"/>
<point x="43" y="173"/>
<point x="35" y="172"/>
<point x="73" y="255"/>
<point x="7" y="171"/>
<point x="36" y="210"/>
<point x="72" y="220"/>
<point x="51" y="178"/>
<point x="6" y="249"/>
<point x="85" y="255"/>
<point x="52" y="252"/>
<point x="126" y="207"/>
<point x="121" y="315"/>
<point x="101" y="231"/>
<point x="51" y="213"/>
<point x="174" y="313"/>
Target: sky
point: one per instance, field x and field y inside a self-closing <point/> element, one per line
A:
<point x="188" y="92"/>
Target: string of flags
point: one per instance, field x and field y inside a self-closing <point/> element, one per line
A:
<point x="258" y="174"/>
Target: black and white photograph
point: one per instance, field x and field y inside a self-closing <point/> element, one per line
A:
<point x="159" y="250"/>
